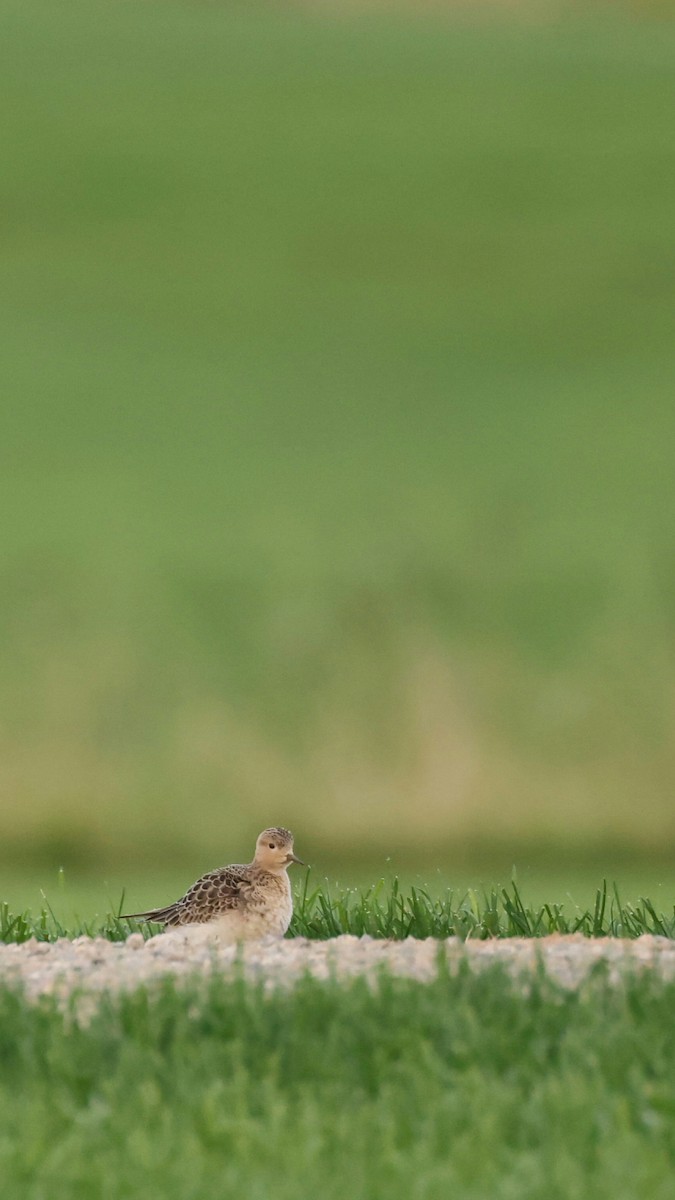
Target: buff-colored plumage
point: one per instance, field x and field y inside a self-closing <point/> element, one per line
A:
<point x="238" y="902"/>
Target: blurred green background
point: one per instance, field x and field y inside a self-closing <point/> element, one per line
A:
<point x="338" y="440"/>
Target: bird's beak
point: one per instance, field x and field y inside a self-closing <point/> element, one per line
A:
<point x="294" y="858"/>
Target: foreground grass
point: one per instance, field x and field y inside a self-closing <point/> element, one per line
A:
<point x="463" y="1088"/>
<point x="388" y="911"/>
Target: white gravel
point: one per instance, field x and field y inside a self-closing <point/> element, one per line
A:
<point x="94" y="966"/>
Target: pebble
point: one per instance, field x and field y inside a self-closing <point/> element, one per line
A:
<point x="94" y="967"/>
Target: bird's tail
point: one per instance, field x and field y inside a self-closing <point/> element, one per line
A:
<point x="162" y="916"/>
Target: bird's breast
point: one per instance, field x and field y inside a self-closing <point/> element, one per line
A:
<point x="269" y="908"/>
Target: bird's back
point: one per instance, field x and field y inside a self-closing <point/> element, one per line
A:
<point x="213" y="895"/>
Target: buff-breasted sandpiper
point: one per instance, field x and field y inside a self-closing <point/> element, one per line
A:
<point x="239" y="902"/>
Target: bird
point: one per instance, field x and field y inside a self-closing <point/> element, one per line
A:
<point x="239" y="902"/>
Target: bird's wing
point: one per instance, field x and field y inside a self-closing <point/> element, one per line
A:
<point x="215" y="893"/>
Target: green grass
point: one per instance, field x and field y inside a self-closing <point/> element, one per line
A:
<point x="337" y="446"/>
<point x="464" y="1087"/>
<point x="78" y="898"/>
<point x="387" y="910"/>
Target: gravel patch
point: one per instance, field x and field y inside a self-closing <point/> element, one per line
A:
<point x="94" y="966"/>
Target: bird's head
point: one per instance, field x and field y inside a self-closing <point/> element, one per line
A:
<point x="274" y="850"/>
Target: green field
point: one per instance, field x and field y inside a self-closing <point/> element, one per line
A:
<point x="336" y="470"/>
<point x="76" y="901"/>
<point x="338" y="437"/>
<point x="389" y="909"/>
<point x="464" y="1088"/>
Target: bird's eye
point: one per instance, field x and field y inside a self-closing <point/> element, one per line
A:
<point x="272" y="846"/>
